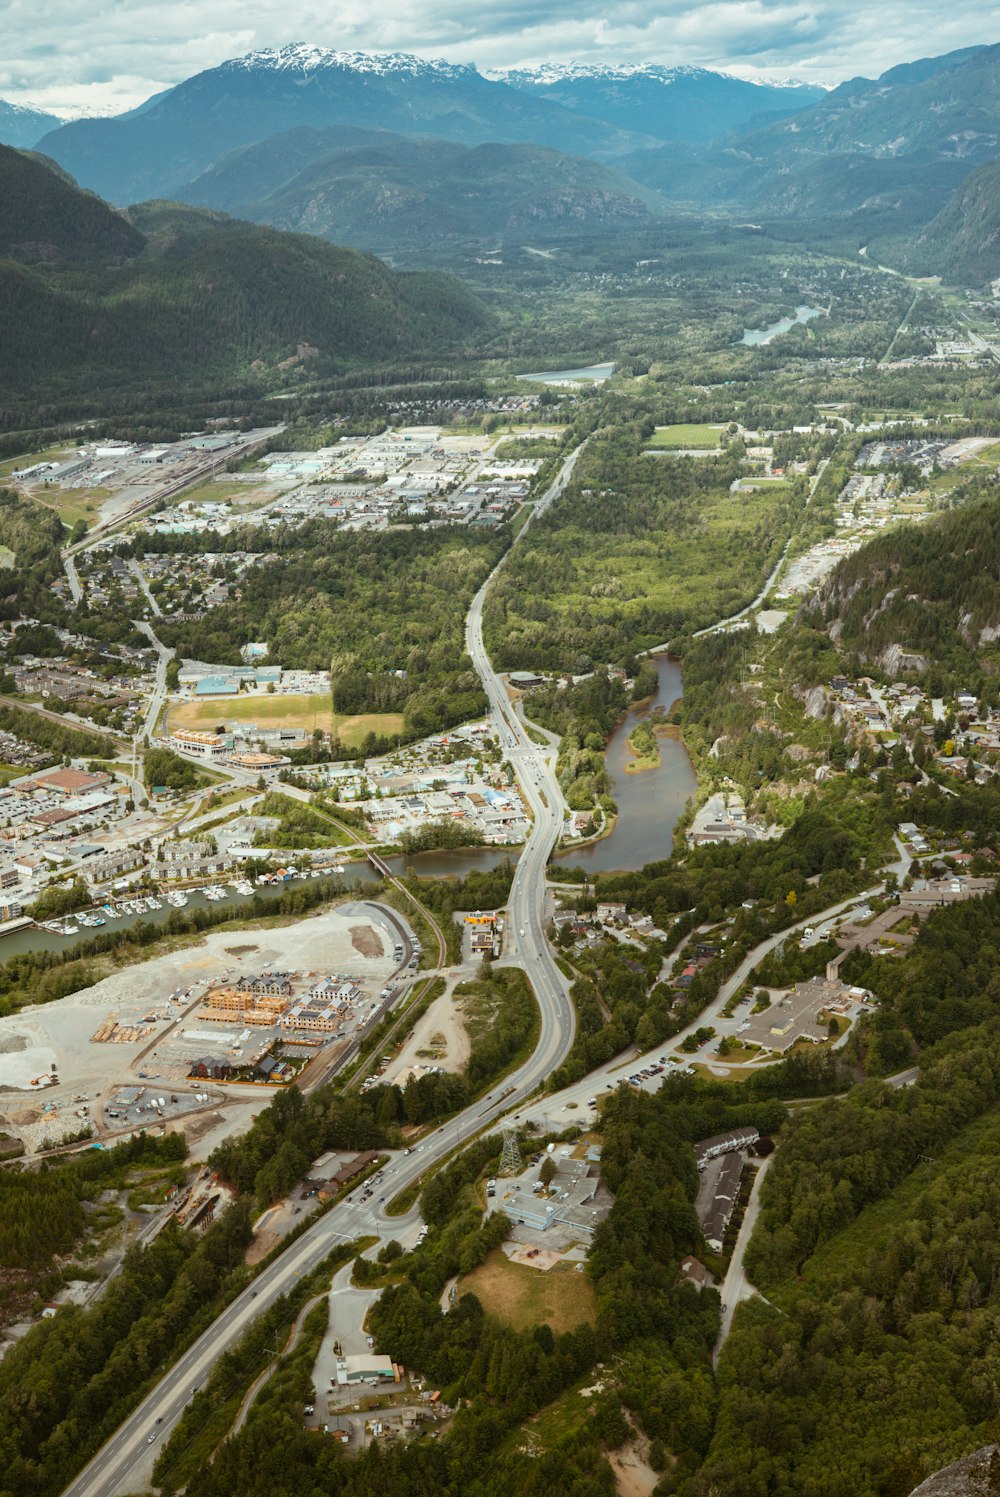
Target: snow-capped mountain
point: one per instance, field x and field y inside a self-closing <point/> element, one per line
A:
<point x="23" y="127"/>
<point x="174" y="139"/>
<point x="549" y="73"/>
<point x="580" y="109"/>
<point x="304" y="57"/>
<point x="681" y="103"/>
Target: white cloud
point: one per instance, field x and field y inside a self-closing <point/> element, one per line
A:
<point x="80" y="60"/>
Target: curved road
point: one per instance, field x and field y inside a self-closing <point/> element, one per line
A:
<point x="123" y="1463"/>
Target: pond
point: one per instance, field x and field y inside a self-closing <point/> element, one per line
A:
<point x="650" y="802"/>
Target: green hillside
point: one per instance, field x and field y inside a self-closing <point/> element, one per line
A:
<point x="385" y="191"/>
<point x="201" y="297"/>
<point x="46" y="218"/>
<point x="963" y="242"/>
<point x="930" y="588"/>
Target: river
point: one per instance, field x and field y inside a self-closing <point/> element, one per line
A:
<point x="757" y="336"/>
<point x="596" y="372"/>
<point x="355" y="875"/>
<point x="650" y="802"/>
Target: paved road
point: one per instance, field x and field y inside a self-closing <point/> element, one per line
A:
<point x="140" y="578"/>
<point x="73" y="578"/>
<point x="158" y="695"/>
<point x="736" y="1286"/>
<point x="124" y="1460"/>
<point x="560" y="1109"/>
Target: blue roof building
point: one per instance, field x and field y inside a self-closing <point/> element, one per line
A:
<point x="217" y="686"/>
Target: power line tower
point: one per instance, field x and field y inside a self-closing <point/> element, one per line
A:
<point x="510" y="1159"/>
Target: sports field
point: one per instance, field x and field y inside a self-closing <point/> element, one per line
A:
<point x="294" y="711"/>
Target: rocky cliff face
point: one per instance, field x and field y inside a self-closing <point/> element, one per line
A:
<point x="976" y="1475"/>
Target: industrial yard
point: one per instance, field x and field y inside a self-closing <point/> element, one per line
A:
<point x="107" y="1055"/>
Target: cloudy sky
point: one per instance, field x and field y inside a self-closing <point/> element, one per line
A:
<point x="71" y="58"/>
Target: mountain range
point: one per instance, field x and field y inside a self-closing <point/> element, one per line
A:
<point x="677" y="104"/>
<point x="181" y="133"/>
<point x="375" y="150"/>
<point x="154" y="152"/>
<point x="24" y="127"/>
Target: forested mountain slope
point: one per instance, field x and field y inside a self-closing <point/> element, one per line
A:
<point x="933" y="589"/>
<point x="389" y="190"/>
<point x="47" y="218"/>
<point x="963" y="242"/>
<point x="200" y="295"/>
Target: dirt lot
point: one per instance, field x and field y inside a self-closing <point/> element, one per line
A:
<point x="440" y="1034"/>
<point x="277" y="711"/>
<point x="366" y="940"/>
<point x="523" y="1297"/>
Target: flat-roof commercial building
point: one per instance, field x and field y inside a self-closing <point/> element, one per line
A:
<point x="206" y="745"/>
<point x="368" y="1369"/>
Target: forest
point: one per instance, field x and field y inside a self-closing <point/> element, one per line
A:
<point x="46" y="1214"/>
<point x="651" y="1338"/>
<point x="641" y="548"/>
<point x="67" y="1384"/>
<point x="877" y="1251"/>
<point x="383" y="613"/>
<point x="932" y="587"/>
<point x="195" y="299"/>
<point x="33" y="536"/>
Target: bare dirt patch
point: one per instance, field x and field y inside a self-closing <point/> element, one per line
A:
<point x="197" y="1127"/>
<point x="438" y="1038"/>
<point x="240" y="950"/>
<point x="634" y="1476"/>
<point x="261" y="1246"/>
<point x="366" y="940"/>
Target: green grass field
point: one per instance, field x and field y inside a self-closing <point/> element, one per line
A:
<point x="309" y="712"/>
<point x="523" y="1297"/>
<point x="686" y="436"/>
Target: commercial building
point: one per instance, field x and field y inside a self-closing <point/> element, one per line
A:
<point x="368" y="1369"/>
<point x="205" y="745"/>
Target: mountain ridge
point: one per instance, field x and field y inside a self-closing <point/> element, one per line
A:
<point x="191" y="296"/>
<point x="154" y="152"/>
<point x="381" y="191"/>
<point x="23" y="127"/>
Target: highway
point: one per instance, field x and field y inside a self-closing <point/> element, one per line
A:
<point x="558" y="1110"/>
<point x="123" y="1463"/>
